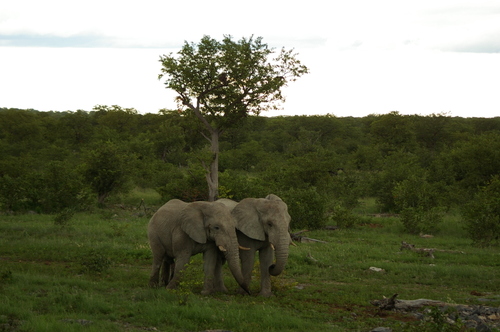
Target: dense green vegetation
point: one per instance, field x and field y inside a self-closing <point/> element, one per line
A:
<point x="77" y="190"/>
<point x="418" y="166"/>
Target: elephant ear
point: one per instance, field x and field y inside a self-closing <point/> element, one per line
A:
<point x="247" y="219"/>
<point x="192" y="223"/>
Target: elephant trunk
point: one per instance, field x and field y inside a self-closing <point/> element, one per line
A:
<point x="281" y="253"/>
<point x="233" y="261"/>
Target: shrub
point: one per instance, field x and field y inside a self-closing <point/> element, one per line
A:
<point x="107" y="168"/>
<point x="420" y="220"/>
<point x="55" y="187"/>
<point x="418" y="204"/>
<point x="185" y="184"/>
<point x="306" y="207"/>
<point x="346" y="188"/>
<point x="239" y="185"/>
<point x="396" y="167"/>
<point x="343" y="217"/>
<point x="5" y="276"/>
<point x="63" y="217"/>
<point x="95" y="262"/>
<point x="482" y="215"/>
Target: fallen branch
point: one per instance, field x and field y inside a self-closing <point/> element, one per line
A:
<point x="407" y="305"/>
<point x="426" y="251"/>
<point x="480" y="318"/>
<point x="296" y="234"/>
<point x="302" y="239"/>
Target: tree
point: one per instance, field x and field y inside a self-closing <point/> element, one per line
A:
<point x="482" y="214"/>
<point x="107" y="169"/>
<point x="121" y="121"/>
<point x="470" y="164"/>
<point x="393" y="132"/>
<point x="223" y="82"/>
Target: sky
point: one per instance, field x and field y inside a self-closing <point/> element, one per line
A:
<point x="365" y="57"/>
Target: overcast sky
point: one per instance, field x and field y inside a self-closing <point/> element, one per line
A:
<point x="365" y="56"/>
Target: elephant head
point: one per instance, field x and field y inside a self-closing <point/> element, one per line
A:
<point x="266" y="219"/>
<point x="212" y="222"/>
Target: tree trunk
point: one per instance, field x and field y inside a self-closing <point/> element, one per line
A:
<point x="213" y="169"/>
<point x="101" y="199"/>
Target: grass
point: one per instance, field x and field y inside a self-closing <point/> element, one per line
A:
<point x="91" y="274"/>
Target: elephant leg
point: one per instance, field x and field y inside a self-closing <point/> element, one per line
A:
<point x="158" y="258"/>
<point x="218" y="276"/>
<point x="181" y="261"/>
<point x="167" y="271"/>
<point x="266" y="260"/>
<point x="247" y="258"/>
<point x="210" y="261"/>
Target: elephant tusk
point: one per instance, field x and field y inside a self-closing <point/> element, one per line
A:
<point x="221" y="248"/>
<point x="243" y="248"/>
<point x="293" y="244"/>
<point x="272" y="247"/>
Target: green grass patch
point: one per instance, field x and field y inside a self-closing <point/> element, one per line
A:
<point x="91" y="274"/>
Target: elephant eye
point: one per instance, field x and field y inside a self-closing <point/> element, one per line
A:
<point x="216" y="228"/>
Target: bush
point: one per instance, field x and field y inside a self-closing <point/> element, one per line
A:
<point x="187" y="185"/>
<point x="397" y="167"/>
<point x="107" y="168"/>
<point x="418" y="220"/>
<point x="482" y="215"/>
<point x="306" y="207"/>
<point x="343" y="217"/>
<point x="95" y="262"/>
<point x="418" y="203"/>
<point x="239" y="185"/>
<point x="63" y="217"/>
<point x="55" y="187"/>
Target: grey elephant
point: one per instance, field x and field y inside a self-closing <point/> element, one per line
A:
<point x="262" y="225"/>
<point x="179" y="230"/>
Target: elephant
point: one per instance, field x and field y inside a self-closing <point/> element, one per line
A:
<point x="262" y="225"/>
<point x="179" y="230"/>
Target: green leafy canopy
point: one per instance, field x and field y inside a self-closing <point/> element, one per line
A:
<point x="225" y="81"/>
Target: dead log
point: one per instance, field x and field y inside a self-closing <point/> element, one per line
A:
<point x="297" y="234"/>
<point x="408" y="305"/>
<point x="478" y="318"/>
<point x="302" y="239"/>
<point x="426" y="251"/>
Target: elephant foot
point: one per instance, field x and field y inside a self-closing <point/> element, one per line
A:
<point x="212" y="291"/>
<point x="241" y="291"/>
<point x="171" y="285"/>
<point x="207" y="292"/>
<point x="221" y="290"/>
<point x="153" y="283"/>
